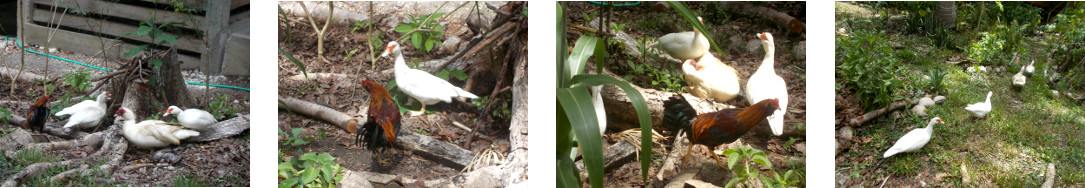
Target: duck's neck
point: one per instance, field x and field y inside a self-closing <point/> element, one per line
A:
<point x="767" y="63"/>
<point x="101" y="101"/>
<point x="696" y="35"/>
<point x="400" y="64"/>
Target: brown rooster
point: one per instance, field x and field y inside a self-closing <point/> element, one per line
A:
<point x="35" y="120"/>
<point x="715" y="128"/>
<point x="379" y="131"/>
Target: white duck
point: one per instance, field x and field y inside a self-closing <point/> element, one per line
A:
<point x="708" y="77"/>
<point x="600" y="110"/>
<point x="1019" y="78"/>
<point x="684" y="45"/>
<point x="765" y="84"/>
<point x="192" y="118"/>
<point x="421" y="85"/>
<point x="151" y="133"/>
<point x="86" y="114"/>
<point x="915" y="139"/>
<point x="980" y="109"/>
<point x="1029" y="69"/>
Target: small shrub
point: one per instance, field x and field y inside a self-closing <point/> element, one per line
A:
<point x="868" y="65"/>
<point x="424" y="37"/>
<point x="309" y="170"/>
<point x="986" y="49"/>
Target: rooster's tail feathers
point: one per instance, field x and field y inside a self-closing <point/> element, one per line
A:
<point x="678" y="113"/>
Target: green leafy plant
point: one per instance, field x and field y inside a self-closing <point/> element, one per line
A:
<point x="422" y="31"/>
<point x="665" y="79"/>
<point x="78" y="80"/>
<point x="459" y="74"/>
<point x="222" y="106"/>
<point x="868" y="65"/>
<point x="148" y="28"/>
<point x="986" y="49"/>
<point x="936" y="75"/>
<point x="294" y="137"/>
<point x="745" y="170"/>
<point x="349" y="54"/>
<point x="309" y="170"/>
<point x="777" y="181"/>
<point x="577" y="127"/>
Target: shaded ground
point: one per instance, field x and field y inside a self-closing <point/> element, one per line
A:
<point x="736" y="36"/>
<point x="341" y="94"/>
<point x="1028" y="129"/>
<point x="222" y="162"/>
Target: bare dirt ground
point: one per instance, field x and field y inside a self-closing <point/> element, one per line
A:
<point x="736" y="36"/>
<point x="342" y="94"/>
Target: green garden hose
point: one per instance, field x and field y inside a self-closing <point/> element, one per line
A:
<point x="107" y="70"/>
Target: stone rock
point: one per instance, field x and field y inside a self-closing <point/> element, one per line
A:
<point x="846" y="133"/>
<point x="754" y="46"/>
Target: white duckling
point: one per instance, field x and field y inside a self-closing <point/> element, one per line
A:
<point x="915" y="139"/>
<point x="1019" y="78"/>
<point x="1029" y="69"/>
<point x="422" y="85"/>
<point x="192" y="118"/>
<point x="980" y="109"/>
<point x="151" y="133"/>
<point x="86" y="114"/>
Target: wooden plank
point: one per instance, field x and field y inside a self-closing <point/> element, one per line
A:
<point x="218" y="32"/>
<point x="238" y="3"/>
<point x="88" y="44"/>
<point x="237" y="55"/>
<point x="112" y="28"/>
<point x="124" y="10"/>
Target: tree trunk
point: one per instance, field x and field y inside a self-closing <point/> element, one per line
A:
<point x="946" y="13"/>
<point x="170" y="86"/>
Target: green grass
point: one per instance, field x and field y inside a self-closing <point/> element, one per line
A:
<point x="24" y="158"/>
<point x="1027" y="129"/>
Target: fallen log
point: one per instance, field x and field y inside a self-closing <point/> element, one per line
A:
<point x="223" y="129"/>
<point x="339" y="119"/>
<point x="435" y="150"/>
<point x="26" y="77"/>
<point x="427" y="147"/>
<point x="779" y="18"/>
<point x="860" y="120"/>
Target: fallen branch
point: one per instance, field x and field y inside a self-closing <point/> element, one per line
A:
<point x="223" y="129"/>
<point x="434" y="150"/>
<point x="860" y="120"/>
<point x="24" y="77"/>
<point x="340" y="119"/>
<point x="781" y="19"/>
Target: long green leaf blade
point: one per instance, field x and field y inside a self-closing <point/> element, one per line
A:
<point x="584" y="48"/>
<point x="578" y="108"/>
<point x="643" y="116"/>
<point x="296" y="62"/>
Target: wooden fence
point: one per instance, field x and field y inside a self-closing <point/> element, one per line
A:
<point x="212" y="36"/>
